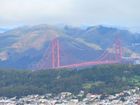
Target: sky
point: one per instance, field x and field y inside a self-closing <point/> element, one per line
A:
<point x="117" y="13"/>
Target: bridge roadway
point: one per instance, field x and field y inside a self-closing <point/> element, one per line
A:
<point x="89" y="64"/>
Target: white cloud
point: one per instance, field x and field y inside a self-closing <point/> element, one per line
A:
<point x="76" y="12"/>
<point x="31" y="10"/>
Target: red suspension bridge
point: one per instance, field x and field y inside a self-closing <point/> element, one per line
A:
<point x="52" y="57"/>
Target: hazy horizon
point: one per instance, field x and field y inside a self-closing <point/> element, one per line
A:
<point x="116" y="13"/>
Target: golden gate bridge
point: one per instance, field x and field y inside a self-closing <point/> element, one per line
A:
<point x="52" y="57"/>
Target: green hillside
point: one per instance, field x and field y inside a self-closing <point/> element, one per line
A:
<point x="105" y="79"/>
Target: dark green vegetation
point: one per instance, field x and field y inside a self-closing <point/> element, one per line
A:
<point x="106" y="79"/>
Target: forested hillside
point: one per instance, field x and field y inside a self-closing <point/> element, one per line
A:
<point x="105" y="79"/>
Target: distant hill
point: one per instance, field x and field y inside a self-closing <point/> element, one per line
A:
<point x="2" y="30"/>
<point x="25" y="47"/>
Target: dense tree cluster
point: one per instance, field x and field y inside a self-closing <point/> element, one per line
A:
<point x="105" y="79"/>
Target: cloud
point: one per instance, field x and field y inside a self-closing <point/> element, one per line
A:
<point x="31" y="10"/>
<point x="124" y="13"/>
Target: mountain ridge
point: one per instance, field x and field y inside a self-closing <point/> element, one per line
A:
<point x="25" y="46"/>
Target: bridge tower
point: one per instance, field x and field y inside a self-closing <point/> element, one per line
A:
<point x="55" y="53"/>
<point x="118" y="49"/>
